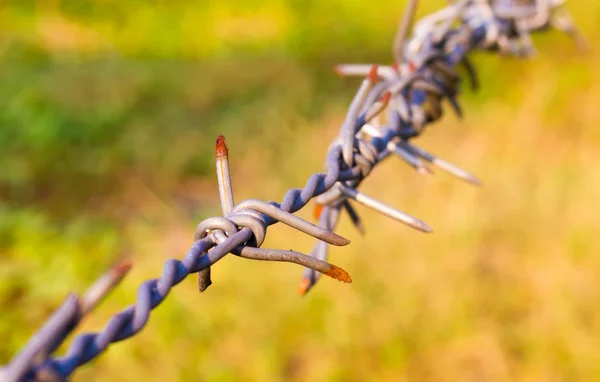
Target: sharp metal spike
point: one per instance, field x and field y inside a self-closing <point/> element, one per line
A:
<point x="310" y="277"/>
<point x="373" y="111"/>
<point x="402" y="107"/>
<point x="384" y="209"/>
<point x="290" y="256"/>
<point x="471" y="73"/>
<point x="363" y="70"/>
<point x="328" y="220"/>
<point x="356" y="220"/>
<point x="455" y="106"/>
<point x="223" y="175"/>
<point x="103" y="286"/>
<point x="442" y="164"/>
<point x="378" y="106"/>
<point x="349" y="127"/>
<point x="204" y="279"/>
<point x="409" y="158"/>
<point x="293" y="221"/>
<point x="225" y="195"/>
<point x="305" y="285"/>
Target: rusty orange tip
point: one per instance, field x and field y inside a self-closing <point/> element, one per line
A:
<point x="372" y="76"/>
<point x="411" y="66"/>
<point x="317" y="211"/>
<point x="304" y="286"/>
<point x="339" y="274"/>
<point x="122" y="268"/>
<point x="221" y="147"/>
<point x="385" y="97"/>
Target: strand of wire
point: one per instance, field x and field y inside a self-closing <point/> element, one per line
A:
<point x="409" y="93"/>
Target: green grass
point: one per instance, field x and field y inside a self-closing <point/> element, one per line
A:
<point x="110" y="113"/>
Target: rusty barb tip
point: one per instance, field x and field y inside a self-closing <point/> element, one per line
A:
<point x="335" y="272"/>
<point x="304" y="286"/>
<point x="317" y="211"/>
<point x="122" y="268"/>
<point x="385" y="97"/>
<point x="221" y="149"/>
<point x="339" y="274"/>
<point x="104" y="285"/>
<point x="372" y="76"/>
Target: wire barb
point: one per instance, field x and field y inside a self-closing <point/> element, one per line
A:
<point x="384" y="209"/>
<point x="349" y="126"/>
<point x="103" y="286"/>
<point x="223" y="176"/>
<point x="442" y="164"/>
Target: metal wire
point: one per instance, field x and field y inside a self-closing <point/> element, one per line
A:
<point x="393" y="105"/>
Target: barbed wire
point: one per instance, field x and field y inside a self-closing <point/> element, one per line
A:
<point x="392" y="106"/>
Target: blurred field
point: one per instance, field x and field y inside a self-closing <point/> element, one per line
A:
<point x="110" y="110"/>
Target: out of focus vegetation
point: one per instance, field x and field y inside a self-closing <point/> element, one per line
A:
<point x="109" y="114"/>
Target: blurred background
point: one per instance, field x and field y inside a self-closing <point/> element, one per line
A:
<point x="109" y="114"/>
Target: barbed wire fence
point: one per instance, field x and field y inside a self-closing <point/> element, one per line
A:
<point x="392" y="106"/>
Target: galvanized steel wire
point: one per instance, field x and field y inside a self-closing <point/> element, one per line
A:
<point x="393" y="105"/>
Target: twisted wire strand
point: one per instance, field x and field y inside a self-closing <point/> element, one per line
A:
<point x="410" y="92"/>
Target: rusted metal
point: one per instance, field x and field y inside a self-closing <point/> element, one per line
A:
<point x="103" y="286"/>
<point x="223" y="175"/>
